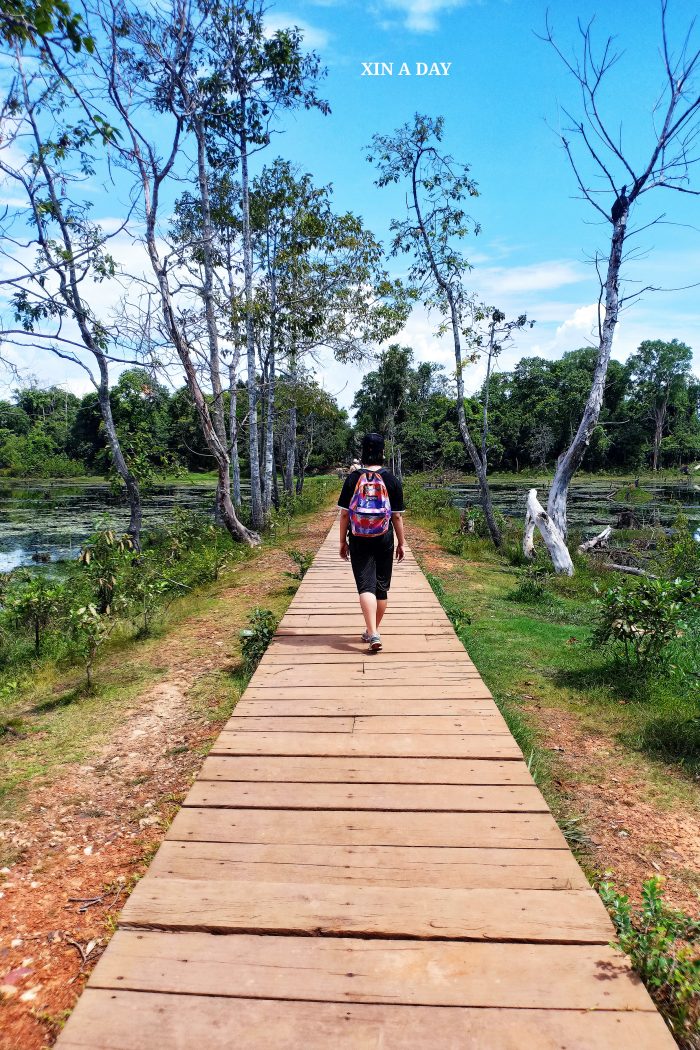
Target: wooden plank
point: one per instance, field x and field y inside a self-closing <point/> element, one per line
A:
<point x="409" y="973"/>
<point x="407" y="866"/>
<point x="349" y="828"/>
<point x="330" y="706"/>
<point x="557" y="917"/>
<point x="287" y="723"/>
<point x="365" y="770"/>
<point x="415" y="643"/>
<point x="452" y="798"/>
<point x="192" y="1022"/>
<point x="477" y="723"/>
<point x="456" y="659"/>
<point x="380" y="745"/>
<point x="491" y="722"/>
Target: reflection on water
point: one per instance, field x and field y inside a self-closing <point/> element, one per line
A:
<point x="56" y="518"/>
<point x="592" y="505"/>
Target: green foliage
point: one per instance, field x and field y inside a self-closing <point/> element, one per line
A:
<point x="105" y="559"/>
<point x="256" y="637"/>
<point x="302" y="560"/>
<point x="89" y="630"/>
<point x="660" y="942"/>
<point x="673" y="737"/>
<point x="532" y="587"/>
<point x="641" y="621"/>
<point x="35" y="604"/>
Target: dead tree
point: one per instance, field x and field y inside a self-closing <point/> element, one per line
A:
<point x="603" y="165"/>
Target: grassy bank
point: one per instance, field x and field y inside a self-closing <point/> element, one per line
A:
<point x="50" y="714"/>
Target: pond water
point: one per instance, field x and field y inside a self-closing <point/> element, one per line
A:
<point x="57" y="517"/>
<point x="595" y="504"/>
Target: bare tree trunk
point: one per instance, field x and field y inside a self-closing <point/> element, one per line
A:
<point x="659" y="424"/>
<point x="269" y="467"/>
<point x="233" y="429"/>
<point x="132" y="490"/>
<point x="291" y="439"/>
<point x="448" y="291"/>
<point x="570" y="461"/>
<point x="256" y="502"/>
<point x="561" y="559"/>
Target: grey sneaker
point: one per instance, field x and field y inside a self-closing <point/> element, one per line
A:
<point x="375" y="643"/>
<point x="366" y="636"/>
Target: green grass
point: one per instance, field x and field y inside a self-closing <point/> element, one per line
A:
<point x="50" y="719"/>
<point x="541" y="650"/>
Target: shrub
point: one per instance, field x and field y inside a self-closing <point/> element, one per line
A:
<point x="256" y="637"/>
<point x="531" y="589"/>
<point x="89" y="630"/>
<point x="35" y="605"/>
<point x="303" y="561"/>
<point x="105" y="557"/>
<point x="659" y="941"/>
<point x="641" y="620"/>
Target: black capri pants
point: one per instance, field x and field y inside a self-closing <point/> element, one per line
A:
<point x="372" y="560"/>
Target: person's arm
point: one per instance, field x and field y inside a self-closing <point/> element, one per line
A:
<point x="397" y="521"/>
<point x="344" y="522"/>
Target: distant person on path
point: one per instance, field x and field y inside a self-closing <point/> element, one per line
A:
<point x="371" y="505"/>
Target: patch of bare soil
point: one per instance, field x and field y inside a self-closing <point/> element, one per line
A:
<point x="85" y="837"/>
<point x="630" y="835"/>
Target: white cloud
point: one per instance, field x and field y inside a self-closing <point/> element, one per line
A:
<point x="421" y="16"/>
<point x="314" y="38"/>
<point x="584" y="320"/>
<point x="537" y="277"/>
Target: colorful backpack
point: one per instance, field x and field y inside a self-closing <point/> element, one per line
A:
<point x="370" y="509"/>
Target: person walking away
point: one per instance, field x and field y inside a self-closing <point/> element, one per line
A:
<point x="371" y="507"/>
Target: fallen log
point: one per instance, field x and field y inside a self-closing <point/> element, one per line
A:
<point x="598" y="541"/>
<point x="631" y="569"/>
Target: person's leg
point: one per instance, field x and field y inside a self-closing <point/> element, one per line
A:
<point x="385" y="564"/>
<point x="368" y="604"/>
<point x="364" y="570"/>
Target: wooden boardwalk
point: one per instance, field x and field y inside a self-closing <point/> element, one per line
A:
<point x="364" y="863"/>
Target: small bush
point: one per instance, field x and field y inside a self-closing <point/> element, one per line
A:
<point x="642" y="620"/>
<point x="531" y="589"/>
<point x="660" y="943"/>
<point x="303" y="561"/>
<point x="256" y="637"/>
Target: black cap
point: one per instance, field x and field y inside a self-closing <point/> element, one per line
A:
<point x="372" y="449"/>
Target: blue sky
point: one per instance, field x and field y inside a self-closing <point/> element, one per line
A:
<point x="502" y="102"/>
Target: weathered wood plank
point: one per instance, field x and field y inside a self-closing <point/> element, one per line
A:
<point x="407" y="866"/>
<point x="557" y="917"/>
<point x="348" y="828"/>
<point x="381" y="745"/>
<point x="365" y="770"/>
<point x="451" y="798"/>
<point x="193" y="1022"/>
<point x="245" y="722"/>
<point x="321" y="704"/>
<point x="339" y="970"/>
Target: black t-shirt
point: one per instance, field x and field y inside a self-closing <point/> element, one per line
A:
<point x="393" y="488"/>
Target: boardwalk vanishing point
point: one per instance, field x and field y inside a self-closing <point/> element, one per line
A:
<point x="364" y="863"/>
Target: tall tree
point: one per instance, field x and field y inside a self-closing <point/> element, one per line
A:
<point x="436" y="221"/>
<point x="47" y="155"/>
<point x="255" y="75"/>
<point x="150" y="64"/>
<point x="605" y="164"/>
<point x="659" y="371"/>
